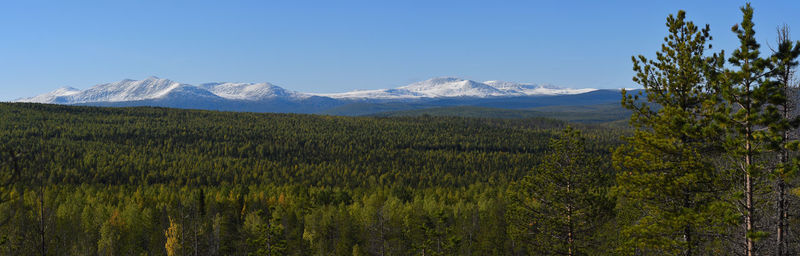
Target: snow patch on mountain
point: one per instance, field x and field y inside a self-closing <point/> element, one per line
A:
<point x="127" y="90"/>
<point x="371" y="94"/>
<point x="524" y="89"/>
<point x="250" y="91"/>
<point x="185" y="91"/>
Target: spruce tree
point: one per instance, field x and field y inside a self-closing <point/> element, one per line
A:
<point x="668" y="188"/>
<point x="558" y="208"/>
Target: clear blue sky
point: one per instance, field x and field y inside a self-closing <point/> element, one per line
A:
<point x="331" y="46"/>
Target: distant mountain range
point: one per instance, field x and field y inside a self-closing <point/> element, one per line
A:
<point x="448" y="87"/>
<point x="266" y="97"/>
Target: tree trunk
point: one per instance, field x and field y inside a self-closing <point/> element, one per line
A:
<point x="41" y="219"/>
<point x="748" y="159"/>
<point x="780" y="232"/>
<point x="687" y="230"/>
<point x="569" y="223"/>
<point x="748" y="189"/>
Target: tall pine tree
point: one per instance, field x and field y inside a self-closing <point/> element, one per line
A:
<point x="668" y="188"/>
<point x="783" y="64"/>
<point x="747" y="93"/>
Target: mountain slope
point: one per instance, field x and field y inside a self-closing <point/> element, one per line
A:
<point x="266" y="97"/>
<point x="250" y="91"/>
<point x="59" y="96"/>
<point x="153" y="88"/>
<point x="125" y="90"/>
<point x="532" y="89"/>
<point x="452" y="87"/>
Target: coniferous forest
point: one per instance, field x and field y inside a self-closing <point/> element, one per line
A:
<point x="707" y="166"/>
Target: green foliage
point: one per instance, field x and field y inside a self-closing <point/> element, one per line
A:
<point x="148" y="181"/>
<point x="667" y="186"/>
<point x="712" y="157"/>
<point x="266" y="236"/>
<point x="559" y="208"/>
<point x="708" y="169"/>
<point x="594" y="114"/>
<point x="783" y="63"/>
<point x="148" y="146"/>
<point x="747" y="93"/>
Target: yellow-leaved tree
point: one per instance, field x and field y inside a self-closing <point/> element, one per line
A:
<point x="173" y="244"/>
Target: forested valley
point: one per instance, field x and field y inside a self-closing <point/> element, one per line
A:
<point x="130" y="180"/>
<point x="707" y="166"/>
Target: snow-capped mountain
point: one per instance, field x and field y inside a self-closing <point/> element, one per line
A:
<point x="266" y="97"/>
<point x="448" y="87"/>
<point x="158" y="88"/>
<point x="125" y="90"/>
<point x="250" y="91"/>
<point x="452" y="87"/>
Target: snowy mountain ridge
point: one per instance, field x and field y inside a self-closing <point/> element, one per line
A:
<point x="154" y="88"/>
<point x="443" y="87"/>
<point x="160" y="88"/>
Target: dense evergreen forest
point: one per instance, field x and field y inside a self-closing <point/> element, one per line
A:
<point x="130" y="180"/>
<point x="707" y="166"/>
